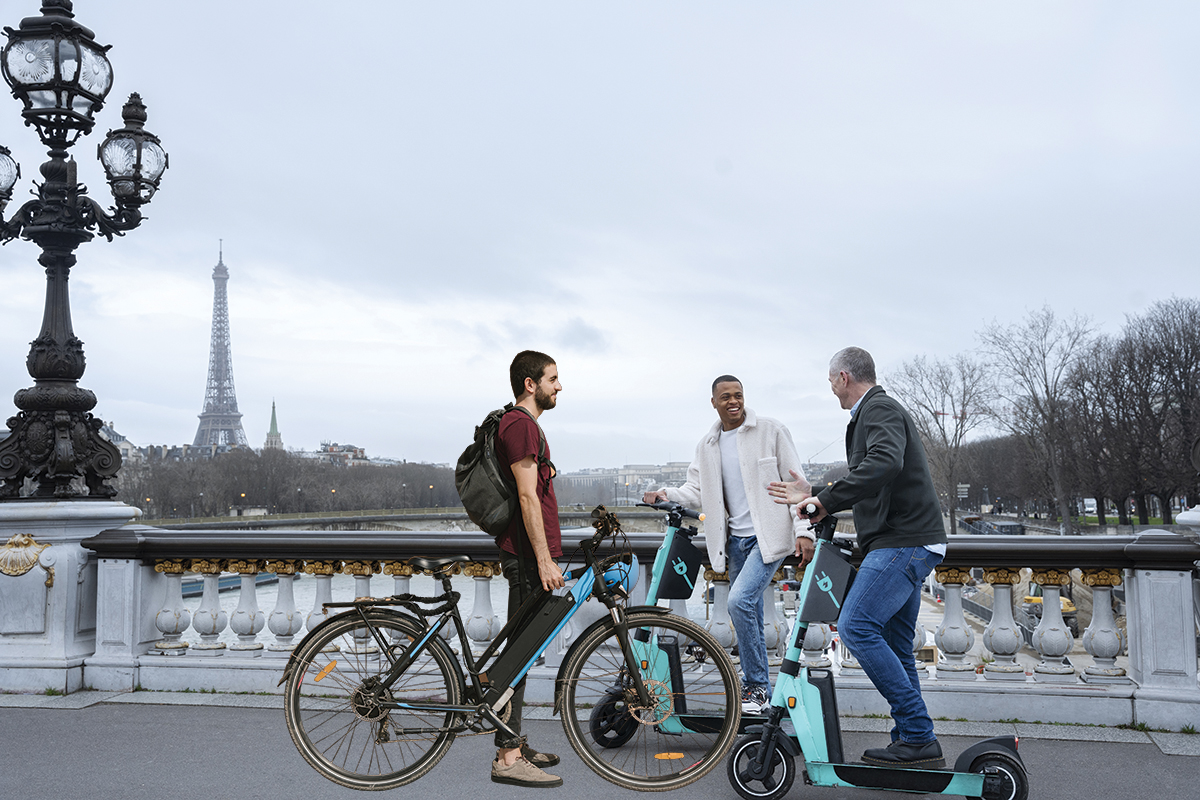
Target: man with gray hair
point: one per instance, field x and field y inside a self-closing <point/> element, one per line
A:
<point x="902" y="538"/>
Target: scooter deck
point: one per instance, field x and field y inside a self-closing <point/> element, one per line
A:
<point x="867" y="776"/>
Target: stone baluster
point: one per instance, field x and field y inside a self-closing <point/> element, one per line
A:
<point x="774" y="628"/>
<point x="817" y="639"/>
<point x="209" y="619"/>
<point x="323" y="572"/>
<point x="1052" y="638"/>
<point x="285" y="621"/>
<point x="1002" y="637"/>
<point x="719" y="623"/>
<point x="1103" y="640"/>
<point x="362" y="572"/>
<point x="848" y="666"/>
<point x="679" y="608"/>
<point x="173" y="618"/>
<point x="401" y="572"/>
<point x="483" y="625"/>
<point x="954" y="637"/>
<point x="247" y="619"/>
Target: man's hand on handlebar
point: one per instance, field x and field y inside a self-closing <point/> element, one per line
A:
<point x="790" y="492"/>
<point x="657" y="496"/>
<point x="810" y="509"/>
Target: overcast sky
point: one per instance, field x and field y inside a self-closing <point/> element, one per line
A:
<point x="653" y="193"/>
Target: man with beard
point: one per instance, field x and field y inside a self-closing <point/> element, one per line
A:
<point x="533" y="534"/>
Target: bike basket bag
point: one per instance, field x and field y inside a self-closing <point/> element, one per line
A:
<point x="486" y="487"/>
<point x="678" y="581"/>
<point x="832" y="575"/>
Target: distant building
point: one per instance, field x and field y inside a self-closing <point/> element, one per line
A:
<point x="274" y="440"/>
<point x="341" y="455"/>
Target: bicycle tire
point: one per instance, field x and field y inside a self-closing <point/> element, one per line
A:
<point x="342" y="732"/>
<point x="662" y="753"/>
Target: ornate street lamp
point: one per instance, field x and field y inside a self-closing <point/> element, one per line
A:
<point x="62" y="77"/>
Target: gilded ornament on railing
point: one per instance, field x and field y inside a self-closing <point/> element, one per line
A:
<point x="710" y="575"/>
<point x="1102" y="577"/>
<point x="952" y="575"/>
<point x="1009" y="575"/>
<point x="482" y="569"/>
<point x="779" y="575"/>
<point x="361" y="568"/>
<point x="208" y="566"/>
<point x="1051" y="577"/>
<point x="399" y="569"/>
<point x="283" y="566"/>
<point x="251" y="566"/>
<point x="172" y="566"/>
<point x="20" y="554"/>
<point x="323" y="567"/>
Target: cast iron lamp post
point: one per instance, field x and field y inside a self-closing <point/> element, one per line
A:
<point x="60" y="74"/>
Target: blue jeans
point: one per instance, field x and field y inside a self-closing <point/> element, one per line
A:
<point x="748" y="577"/>
<point x="877" y="623"/>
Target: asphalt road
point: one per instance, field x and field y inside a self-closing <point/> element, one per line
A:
<point x="126" y="751"/>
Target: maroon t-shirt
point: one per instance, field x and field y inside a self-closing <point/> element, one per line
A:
<point x="518" y="439"/>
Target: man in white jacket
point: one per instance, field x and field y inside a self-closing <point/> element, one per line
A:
<point x="734" y="463"/>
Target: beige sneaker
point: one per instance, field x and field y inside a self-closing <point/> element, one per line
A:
<point x="522" y="773"/>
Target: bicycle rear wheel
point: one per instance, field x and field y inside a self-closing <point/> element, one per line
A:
<point x="334" y="710"/>
<point x="685" y="731"/>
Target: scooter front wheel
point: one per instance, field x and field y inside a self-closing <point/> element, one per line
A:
<point x="777" y="774"/>
<point x="1007" y="780"/>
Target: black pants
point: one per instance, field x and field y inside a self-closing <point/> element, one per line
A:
<point x="518" y="591"/>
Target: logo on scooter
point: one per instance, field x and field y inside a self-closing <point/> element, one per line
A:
<point x="825" y="584"/>
<point x="681" y="568"/>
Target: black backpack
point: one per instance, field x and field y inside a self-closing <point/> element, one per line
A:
<point x="486" y="487"/>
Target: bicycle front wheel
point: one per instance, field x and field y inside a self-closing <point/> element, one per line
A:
<point x="342" y="723"/>
<point x="690" y="722"/>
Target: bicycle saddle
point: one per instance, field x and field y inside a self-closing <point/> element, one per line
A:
<point x="435" y="564"/>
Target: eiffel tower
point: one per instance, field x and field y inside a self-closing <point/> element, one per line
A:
<point x="220" y="422"/>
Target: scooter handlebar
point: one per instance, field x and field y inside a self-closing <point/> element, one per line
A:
<point x="672" y="507"/>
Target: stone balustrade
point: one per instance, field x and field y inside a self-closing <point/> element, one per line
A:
<point x="146" y="636"/>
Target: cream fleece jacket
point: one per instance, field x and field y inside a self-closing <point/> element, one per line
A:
<point x="765" y="453"/>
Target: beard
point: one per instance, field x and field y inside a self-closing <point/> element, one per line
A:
<point x="543" y="400"/>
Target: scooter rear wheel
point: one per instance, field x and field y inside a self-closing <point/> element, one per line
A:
<point x="779" y="774"/>
<point x="1013" y="783"/>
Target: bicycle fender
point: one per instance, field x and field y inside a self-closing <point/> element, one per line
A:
<point x="605" y="620"/>
<point x="293" y="660"/>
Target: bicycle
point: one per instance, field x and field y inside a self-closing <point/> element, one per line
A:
<point x="374" y="696"/>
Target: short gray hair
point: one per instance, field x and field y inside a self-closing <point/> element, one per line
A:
<point x="855" y="362"/>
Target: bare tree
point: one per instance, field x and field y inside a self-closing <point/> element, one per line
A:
<point x="1032" y="362"/>
<point x="947" y="400"/>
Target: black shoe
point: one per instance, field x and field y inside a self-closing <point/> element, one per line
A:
<point x="908" y="756"/>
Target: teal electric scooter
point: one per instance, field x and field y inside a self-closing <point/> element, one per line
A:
<point x="762" y="764"/>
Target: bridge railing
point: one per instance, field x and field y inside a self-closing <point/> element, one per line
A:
<point x="142" y="619"/>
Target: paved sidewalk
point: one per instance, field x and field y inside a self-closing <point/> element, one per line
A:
<point x="193" y="746"/>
